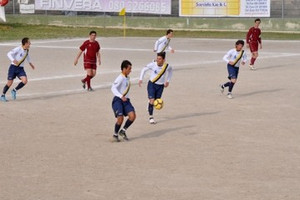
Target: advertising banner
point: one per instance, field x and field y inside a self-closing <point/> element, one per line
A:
<point x="224" y="8"/>
<point x="132" y="6"/>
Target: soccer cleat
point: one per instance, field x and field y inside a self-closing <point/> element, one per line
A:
<point x="221" y="88"/>
<point x="14" y="94"/>
<point x="3" y="98"/>
<point x="252" y="67"/>
<point x="151" y="120"/>
<point x="115" y="138"/>
<point x="90" y="89"/>
<point x="83" y="84"/>
<point x="229" y="96"/>
<point x="122" y="133"/>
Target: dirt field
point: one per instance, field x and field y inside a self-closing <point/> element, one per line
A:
<point x="54" y="139"/>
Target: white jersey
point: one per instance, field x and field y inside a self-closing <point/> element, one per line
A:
<point x="162" y="44"/>
<point x="19" y="54"/>
<point x="235" y="56"/>
<point x="159" y="74"/>
<point x="121" y="86"/>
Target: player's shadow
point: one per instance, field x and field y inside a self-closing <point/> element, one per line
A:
<point x="270" y="67"/>
<point x="188" y="115"/>
<point x="259" y="92"/>
<point x="158" y="133"/>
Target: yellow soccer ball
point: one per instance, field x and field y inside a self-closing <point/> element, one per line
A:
<point x="158" y="104"/>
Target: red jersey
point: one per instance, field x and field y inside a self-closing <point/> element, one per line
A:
<point x="253" y="35"/>
<point x="90" y="50"/>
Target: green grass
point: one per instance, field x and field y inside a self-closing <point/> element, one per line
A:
<point x="17" y="31"/>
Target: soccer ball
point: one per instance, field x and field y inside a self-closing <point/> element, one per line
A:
<point x="158" y="104"/>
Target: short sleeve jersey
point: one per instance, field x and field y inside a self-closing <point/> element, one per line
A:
<point x="253" y="35"/>
<point x="90" y="50"/>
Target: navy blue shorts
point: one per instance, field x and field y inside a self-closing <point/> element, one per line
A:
<point x="154" y="90"/>
<point x="121" y="108"/>
<point x="15" y="71"/>
<point x="233" y="72"/>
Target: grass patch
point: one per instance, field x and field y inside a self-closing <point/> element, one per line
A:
<point x="17" y="31"/>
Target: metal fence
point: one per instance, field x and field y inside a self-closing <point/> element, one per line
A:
<point x="279" y="9"/>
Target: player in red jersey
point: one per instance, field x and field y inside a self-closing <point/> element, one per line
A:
<point x="91" y="54"/>
<point x="253" y="41"/>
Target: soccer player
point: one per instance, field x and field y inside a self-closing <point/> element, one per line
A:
<point x="163" y="43"/>
<point x="253" y="41"/>
<point x="17" y="56"/>
<point x="121" y="104"/>
<point x="234" y="58"/>
<point x="91" y="54"/>
<point x="161" y="74"/>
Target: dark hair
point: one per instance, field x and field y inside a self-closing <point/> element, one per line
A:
<point x="257" y="20"/>
<point x="162" y="54"/>
<point x="125" y="64"/>
<point x="25" y="40"/>
<point x="240" y="42"/>
<point x="93" y="32"/>
<point x="169" y="31"/>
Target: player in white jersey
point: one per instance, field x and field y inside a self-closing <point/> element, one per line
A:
<point x="17" y="56"/>
<point x="161" y="74"/>
<point x="234" y="58"/>
<point x="163" y="43"/>
<point x="121" y="103"/>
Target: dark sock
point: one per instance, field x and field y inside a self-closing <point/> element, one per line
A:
<point x="150" y="109"/>
<point x="230" y="87"/>
<point x="5" y="89"/>
<point x="252" y="61"/>
<point x="117" y="128"/>
<point x="19" y="86"/>
<point x="227" y="84"/>
<point x="88" y="81"/>
<point x="127" y="124"/>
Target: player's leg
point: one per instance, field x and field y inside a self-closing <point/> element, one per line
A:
<point x="118" y="111"/>
<point x="5" y="89"/>
<point x="254" y="54"/>
<point x="151" y="97"/>
<point x="19" y="86"/>
<point x="230" y="70"/>
<point x="92" y="74"/>
<point x="130" y="112"/>
<point x="232" y="81"/>
<point x="10" y="79"/>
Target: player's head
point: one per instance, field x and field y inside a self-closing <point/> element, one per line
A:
<point x="169" y="33"/>
<point x="239" y="45"/>
<point x="126" y="67"/>
<point x="93" y="35"/>
<point x="160" y="59"/>
<point x="26" y="43"/>
<point x="257" y="22"/>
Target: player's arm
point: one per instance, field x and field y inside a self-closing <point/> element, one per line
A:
<point x="248" y="37"/>
<point x="144" y="70"/>
<point x="170" y="74"/>
<point x="226" y="57"/>
<point x="77" y="57"/>
<point x="171" y="49"/>
<point x="98" y="57"/>
<point x="29" y="61"/>
<point x="244" y="59"/>
<point x="259" y="41"/>
<point x="114" y="87"/>
<point x="11" y="54"/>
<point x="156" y="46"/>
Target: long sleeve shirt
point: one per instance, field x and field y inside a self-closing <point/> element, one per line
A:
<point x="121" y="86"/>
<point x="235" y="56"/>
<point x="162" y="44"/>
<point x="19" y="54"/>
<point x="159" y="74"/>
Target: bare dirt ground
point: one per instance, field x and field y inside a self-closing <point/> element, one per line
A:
<point x="54" y="139"/>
